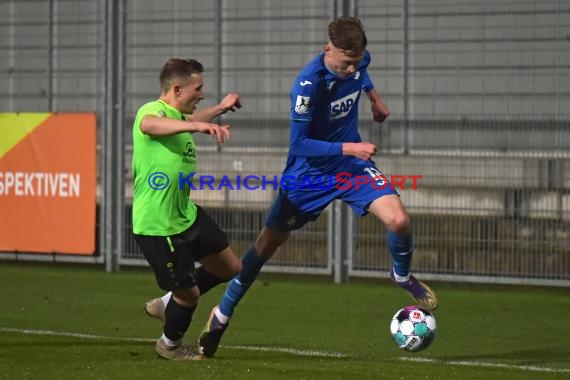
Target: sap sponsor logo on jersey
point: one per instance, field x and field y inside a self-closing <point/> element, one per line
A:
<point x="342" y="106"/>
<point x="302" y="104"/>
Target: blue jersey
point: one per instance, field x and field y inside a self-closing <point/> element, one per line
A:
<point x="324" y="114"/>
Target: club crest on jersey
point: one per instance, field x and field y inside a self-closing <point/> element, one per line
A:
<point x="302" y="104"/>
<point x="342" y="106"/>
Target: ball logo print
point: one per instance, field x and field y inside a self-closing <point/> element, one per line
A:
<point x="417" y="316"/>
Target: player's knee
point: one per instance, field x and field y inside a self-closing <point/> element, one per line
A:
<point x="400" y="224"/>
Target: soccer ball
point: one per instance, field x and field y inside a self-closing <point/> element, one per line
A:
<point x="413" y="328"/>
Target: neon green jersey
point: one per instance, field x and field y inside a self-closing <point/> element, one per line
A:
<point x="160" y="208"/>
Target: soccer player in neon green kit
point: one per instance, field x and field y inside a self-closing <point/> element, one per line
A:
<point x="171" y="230"/>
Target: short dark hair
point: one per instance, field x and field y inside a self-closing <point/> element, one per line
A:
<point x="176" y="68"/>
<point x="347" y="33"/>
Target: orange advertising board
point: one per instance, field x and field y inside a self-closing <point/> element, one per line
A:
<point x="48" y="182"/>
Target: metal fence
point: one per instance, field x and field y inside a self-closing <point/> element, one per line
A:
<point x="479" y="92"/>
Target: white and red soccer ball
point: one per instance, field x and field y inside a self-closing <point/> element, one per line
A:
<point x="413" y="328"/>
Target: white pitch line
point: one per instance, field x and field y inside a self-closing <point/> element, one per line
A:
<point x="73" y="335"/>
<point x="468" y="363"/>
<point x="296" y="351"/>
<point x="250" y="348"/>
<point x="293" y="351"/>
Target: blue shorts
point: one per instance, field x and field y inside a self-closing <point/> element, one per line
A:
<point x="358" y="185"/>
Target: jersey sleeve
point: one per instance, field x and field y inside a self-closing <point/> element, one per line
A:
<point x="153" y="108"/>
<point x="301" y="145"/>
<point x="303" y="94"/>
<point x="303" y="104"/>
<point x="367" y="83"/>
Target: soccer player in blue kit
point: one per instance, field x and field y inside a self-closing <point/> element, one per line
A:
<point x="324" y="142"/>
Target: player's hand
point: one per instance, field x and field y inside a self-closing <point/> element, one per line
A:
<point x="231" y="102"/>
<point x="362" y="150"/>
<point x="219" y="132"/>
<point x="380" y="111"/>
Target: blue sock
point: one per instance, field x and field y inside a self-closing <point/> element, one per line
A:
<point x="401" y="248"/>
<point x="240" y="284"/>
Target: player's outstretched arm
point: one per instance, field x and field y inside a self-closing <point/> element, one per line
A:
<point x="380" y="110"/>
<point x="231" y="102"/>
<point x="162" y="126"/>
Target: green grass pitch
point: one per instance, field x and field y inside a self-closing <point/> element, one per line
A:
<point x="78" y="322"/>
